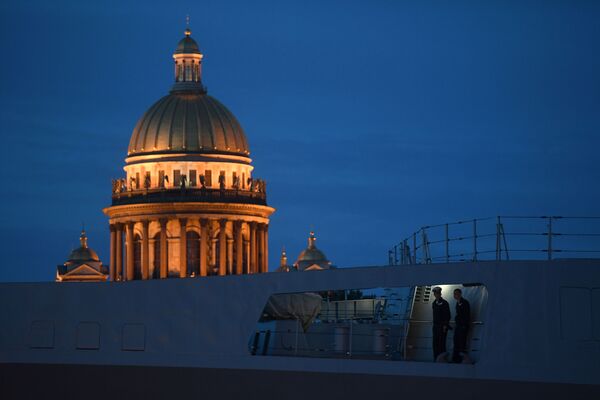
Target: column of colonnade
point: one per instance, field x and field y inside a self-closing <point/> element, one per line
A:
<point x="255" y="248"/>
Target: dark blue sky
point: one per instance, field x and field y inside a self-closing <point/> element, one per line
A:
<point x="367" y="119"/>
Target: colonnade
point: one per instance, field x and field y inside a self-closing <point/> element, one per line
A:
<point x="237" y="255"/>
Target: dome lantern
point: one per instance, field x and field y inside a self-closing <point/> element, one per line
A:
<point x="188" y="65"/>
<point x="188" y="120"/>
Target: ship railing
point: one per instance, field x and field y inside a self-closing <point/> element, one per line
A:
<point x="346" y="339"/>
<point x="500" y="238"/>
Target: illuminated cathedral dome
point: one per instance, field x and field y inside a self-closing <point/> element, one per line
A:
<point x="83" y="253"/>
<point x="83" y="265"/>
<point x="312" y="258"/>
<point x="189" y="204"/>
<point x="188" y="120"/>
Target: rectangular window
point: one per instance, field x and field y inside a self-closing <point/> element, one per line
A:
<point x="233" y="177"/>
<point x="243" y="181"/>
<point x="147" y="180"/>
<point x="137" y="180"/>
<point x="208" y="177"/>
<point x="133" y="337"/>
<point x="384" y="323"/>
<point x="41" y="335"/>
<point x="222" y="174"/>
<point x="161" y="179"/>
<point x="192" y="177"/>
<point x="88" y="336"/>
<point x="176" y="178"/>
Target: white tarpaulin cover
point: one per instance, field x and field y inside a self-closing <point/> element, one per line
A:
<point x="302" y="306"/>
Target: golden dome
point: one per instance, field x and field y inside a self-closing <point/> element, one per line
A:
<point x="184" y="122"/>
<point x="188" y="120"/>
<point x="187" y="45"/>
<point x="83" y="253"/>
<point x="311" y="256"/>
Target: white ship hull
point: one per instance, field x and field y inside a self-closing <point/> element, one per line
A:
<point x="196" y="337"/>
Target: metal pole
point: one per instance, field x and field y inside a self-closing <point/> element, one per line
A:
<point x="474" y="240"/>
<point x="550" y="238"/>
<point x="401" y="261"/>
<point x="415" y="248"/>
<point x="350" y="340"/>
<point x="498" y="243"/>
<point x="504" y="239"/>
<point x="424" y="249"/>
<point x="447" y="244"/>
<point x="346" y="303"/>
<point x="402" y="252"/>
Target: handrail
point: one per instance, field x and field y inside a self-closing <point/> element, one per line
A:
<point x="188" y="194"/>
<point x="480" y="238"/>
<point x="348" y="344"/>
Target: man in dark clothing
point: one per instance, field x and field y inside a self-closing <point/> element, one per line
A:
<point x="463" y="320"/>
<point x="441" y="321"/>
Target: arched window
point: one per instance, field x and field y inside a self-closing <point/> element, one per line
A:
<point x="217" y="257"/>
<point x="193" y="253"/>
<point x="156" y="271"/>
<point x="246" y="256"/>
<point x="137" y="257"/>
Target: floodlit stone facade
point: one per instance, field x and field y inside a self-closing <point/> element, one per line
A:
<point x="188" y="205"/>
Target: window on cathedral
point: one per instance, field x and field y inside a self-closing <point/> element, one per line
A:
<point x="161" y="179"/>
<point x="156" y="254"/>
<point x="192" y="177"/>
<point x="243" y="181"/>
<point x="176" y="178"/>
<point x="193" y="253"/>
<point x="137" y="257"/>
<point x="147" y="180"/>
<point x="137" y="180"/>
<point x="208" y="177"/>
<point x="233" y="177"/>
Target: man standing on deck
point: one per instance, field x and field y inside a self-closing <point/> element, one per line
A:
<point x="441" y="322"/>
<point x="463" y="320"/>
